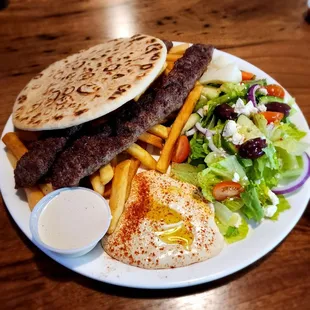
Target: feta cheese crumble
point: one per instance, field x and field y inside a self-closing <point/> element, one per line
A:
<point x="236" y="177"/>
<point x="273" y="197"/>
<point x="263" y="91"/>
<point x="246" y="109"/>
<point x="269" y="211"/>
<point x="237" y="138"/>
<point x="230" y="128"/>
<point x="261" y="107"/>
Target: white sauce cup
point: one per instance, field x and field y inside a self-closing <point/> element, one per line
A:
<point x="69" y="213"/>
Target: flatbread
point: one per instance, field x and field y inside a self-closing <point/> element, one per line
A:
<point x="89" y="84"/>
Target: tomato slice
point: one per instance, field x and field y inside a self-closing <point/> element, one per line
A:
<point x="181" y="151"/>
<point x="275" y="90"/>
<point x="273" y="117"/>
<point x="226" y="189"/>
<point x="246" y="76"/>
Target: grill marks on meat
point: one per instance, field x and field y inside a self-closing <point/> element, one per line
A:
<point x="89" y="153"/>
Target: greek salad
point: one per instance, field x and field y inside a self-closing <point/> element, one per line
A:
<point x="241" y="148"/>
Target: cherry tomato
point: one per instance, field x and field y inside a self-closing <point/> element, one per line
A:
<point x="275" y="90"/>
<point x="246" y="76"/>
<point x="226" y="189"/>
<point x="273" y="117"/>
<point x="181" y="151"/>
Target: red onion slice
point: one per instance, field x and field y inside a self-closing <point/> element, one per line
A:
<point x="296" y="184"/>
<point x="251" y="93"/>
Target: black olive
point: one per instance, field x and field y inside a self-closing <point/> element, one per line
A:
<point x="279" y="107"/>
<point x="252" y="148"/>
<point x="225" y="112"/>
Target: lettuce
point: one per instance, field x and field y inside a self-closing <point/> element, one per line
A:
<point x="282" y="206"/>
<point x="238" y="88"/>
<point x="296" y="148"/>
<point x="218" y="172"/>
<point x="213" y="158"/>
<point x="207" y="179"/>
<point x="199" y="148"/>
<point x="261" y="123"/>
<point x="186" y="173"/>
<point x="271" y="155"/>
<point x="291" y="165"/>
<point x="233" y="234"/>
<point x="266" y="167"/>
<point x="233" y="204"/>
<point x="287" y="131"/>
<point x="252" y="208"/>
<point x="225" y="216"/>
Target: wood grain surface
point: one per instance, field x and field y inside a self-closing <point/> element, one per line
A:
<point x="272" y="35"/>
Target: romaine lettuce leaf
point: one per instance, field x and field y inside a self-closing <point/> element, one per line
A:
<point x="261" y="123"/>
<point x="199" y="148"/>
<point x="295" y="147"/>
<point x="229" y="87"/>
<point x="186" y="173"/>
<point x="213" y="158"/>
<point x="287" y="131"/>
<point x="266" y="167"/>
<point x="218" y="172"/>
<point x="282" y="206"/>
<point x="271" y="154"/>
<point x="233" y="204"/>
<point x="252" y="208"/>
<point x="233" y="234"/>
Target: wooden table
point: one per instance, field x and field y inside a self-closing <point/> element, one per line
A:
<point x="270" y="34"/>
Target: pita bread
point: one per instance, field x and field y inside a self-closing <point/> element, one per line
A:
<point x="89" y="84"/>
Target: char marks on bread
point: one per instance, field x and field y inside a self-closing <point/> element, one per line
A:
<point x="89" y="84"/>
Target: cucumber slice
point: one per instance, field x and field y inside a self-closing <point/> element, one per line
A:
<point x="229" y="147"/>
<point x="192" y="120"/>
<point x="248" y="128"/>
<point x="267" y="99"/>
<point x="210" y="92"/>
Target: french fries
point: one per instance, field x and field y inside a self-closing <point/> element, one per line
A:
<point x="106" y="174"/>
<point x="185" y="112"/>
<point x="172" y="57"/>
<point x="107" y="190"/>
<point x="18" y="149"/>
<point x="34" y="195"/>
<point x="167" y="71"/>
<point x="134" y="166"/>
<point x="13" y="143"/>
<point x="179" y="49"/>
<point x="170" y="65"/>
<point x="160" y="131"/>
<point x="145" y="158"/>
<point x="151" y="139"/>
<point x="119" y="192"/>
<point x="96" y="184"/>
<point x="46" y="188"/>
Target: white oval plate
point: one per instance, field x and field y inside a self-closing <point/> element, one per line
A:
<point x="98" y="265"/>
